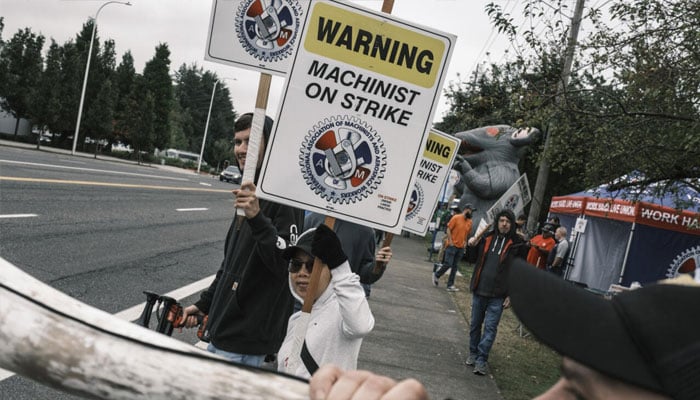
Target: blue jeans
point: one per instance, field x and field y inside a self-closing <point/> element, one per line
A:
<point x="452" y="256"/>
<point x="247" y="359"/>
<point x="486" y="311"/>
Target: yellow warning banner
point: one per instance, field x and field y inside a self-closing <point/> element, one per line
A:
<point x="378" y="45"/>
<point x="440" y="149"/>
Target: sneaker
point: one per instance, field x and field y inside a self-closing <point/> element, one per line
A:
<point x="471" y="360"/>
<point x="436" y="280"/>
<point x="452" y="289"/>
<point x="480" y="369"/>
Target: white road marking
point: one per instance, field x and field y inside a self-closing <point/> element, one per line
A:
<point x="131" y="314"/>
<point x="18" y="215"/>
<point x="205" y="184"/>
<point x="93" y="170"/>
<point x="192" y="209"/>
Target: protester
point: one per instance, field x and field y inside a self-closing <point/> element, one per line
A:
<point x="556" y="261"/>
<point x="248" y="302"/>
<point x="340" y="316"/>
<point x="521" y="227"/>
<point x="454" y="209"/>
<point x="540" y="246"/>
<point x="639" y="345"/>
<point x="489" y="288"/>
<point x="359" y="245"/>
<point x="458" y="230"/>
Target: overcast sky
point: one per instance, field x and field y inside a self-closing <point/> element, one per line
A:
<point x="182" y="24"/>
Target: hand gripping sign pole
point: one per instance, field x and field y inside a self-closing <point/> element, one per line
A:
<point x="256" y="129"/>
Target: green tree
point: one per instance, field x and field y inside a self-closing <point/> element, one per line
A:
<point x="632" y="100"/>
<point x="72" y="70"/>
<point x="48" y="100"/>
<point x="157" y="80"/>
<point x="138" y="122"/>
<point x="124" y="78"/>
<point x="178" y="119"/>
<point x="21" y="64"/>
<point x="193" y="93"/>
<point x="99" y="121"/>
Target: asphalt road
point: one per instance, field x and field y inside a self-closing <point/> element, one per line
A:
<point x="103" y="232"/>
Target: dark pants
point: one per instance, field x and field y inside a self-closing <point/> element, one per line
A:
<point x="452" y="256"/>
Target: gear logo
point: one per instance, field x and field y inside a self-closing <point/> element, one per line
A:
<point x="415" y="203"/>
<point x="685" y="263"/>
<point x="343" y="159"/>
<point x="268" y="29"/>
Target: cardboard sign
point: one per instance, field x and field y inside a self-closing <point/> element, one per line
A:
<point x="433" y="172"/>
<point x="354" y="116"/>
<point x="255" y="34"/>
<point x="514" y="199"/>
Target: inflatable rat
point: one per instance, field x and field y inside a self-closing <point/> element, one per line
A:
<point x="488" y="164"/>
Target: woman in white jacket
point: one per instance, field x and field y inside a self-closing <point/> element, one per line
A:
<point x="340" y="316"/>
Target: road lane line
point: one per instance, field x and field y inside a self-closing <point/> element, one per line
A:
<point x="124" y="185"/>
<point x="92" y="170"/>
<point x="18" y="215"/>
<point x="192" y="209"/>
<point x="131" y="314"/>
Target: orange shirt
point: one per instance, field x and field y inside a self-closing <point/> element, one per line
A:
<point x="459" y="228"/>
<point x="538" y="257"/>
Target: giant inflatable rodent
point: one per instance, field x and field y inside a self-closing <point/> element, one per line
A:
<point x="488" y="164"/>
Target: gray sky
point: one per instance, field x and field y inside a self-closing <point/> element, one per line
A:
<point x="182" y="24"/>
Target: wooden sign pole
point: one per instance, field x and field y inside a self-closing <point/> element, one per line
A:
<point x="256" y="131"/>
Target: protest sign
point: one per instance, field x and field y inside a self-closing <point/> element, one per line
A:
<point x="354" y="116"/>
<point x="255" y="34"/>
<point x="514" y="199"/>
<point x="433" y="173"/>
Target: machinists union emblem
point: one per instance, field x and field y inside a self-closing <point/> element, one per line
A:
<point x="268" y="29"/>
<point x="685" y="263"/>
<point x="342" y="159"/>
<point x="416" y="202"/>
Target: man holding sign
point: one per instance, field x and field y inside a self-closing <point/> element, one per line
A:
<point x="248" y="302"/>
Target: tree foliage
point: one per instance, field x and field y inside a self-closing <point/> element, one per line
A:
<point x="156" y="76"/>
<point x="632" y="101"/>
<point x="21" y="66"/>
<point x="144" y="110"/>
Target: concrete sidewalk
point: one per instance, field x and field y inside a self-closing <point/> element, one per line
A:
<point x="419" y="332"/>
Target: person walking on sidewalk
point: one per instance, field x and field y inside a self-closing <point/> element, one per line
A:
<point x="459" y="227"/>
<point x="489" y="287"/>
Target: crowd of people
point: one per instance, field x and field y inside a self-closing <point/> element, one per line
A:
<point x="642" y="344"/>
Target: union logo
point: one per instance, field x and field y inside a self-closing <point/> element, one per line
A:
<point x="415" y="203"/>
<point x="342" y="159"/>
<point x="268" y="29"/>
<point x="684" y="263"/>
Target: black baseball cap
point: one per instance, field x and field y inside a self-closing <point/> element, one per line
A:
<point x="648" y="337"/>
<point x="303" y="243"/>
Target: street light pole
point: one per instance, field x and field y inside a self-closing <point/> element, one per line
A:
<point x="87" y="70"/>
<point x="206" y="126"/>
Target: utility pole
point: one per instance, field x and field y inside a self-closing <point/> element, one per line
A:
<point x="543" y="173"/>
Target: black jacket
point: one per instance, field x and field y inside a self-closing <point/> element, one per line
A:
<point x="514" y="247"/>
<point x="249" y="302"/>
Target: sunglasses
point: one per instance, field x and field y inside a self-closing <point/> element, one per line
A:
<point x="295" y="265"/>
